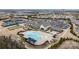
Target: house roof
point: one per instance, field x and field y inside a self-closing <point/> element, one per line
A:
<point x="58" y="25"/>
<point x="45" y="24"/>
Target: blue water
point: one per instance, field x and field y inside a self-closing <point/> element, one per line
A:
<point x="34" y="35"/>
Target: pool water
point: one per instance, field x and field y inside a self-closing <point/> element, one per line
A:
<point x="32" y="34"/>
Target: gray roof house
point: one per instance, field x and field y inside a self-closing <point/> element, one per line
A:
<point x="45" y="25"/>
<point x="59" y="25"/>
<point x="35" y="24"/>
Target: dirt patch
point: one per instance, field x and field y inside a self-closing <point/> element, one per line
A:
<point x="69" y="45"/>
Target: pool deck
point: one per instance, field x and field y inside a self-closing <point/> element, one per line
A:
<point x="44" y="37"/>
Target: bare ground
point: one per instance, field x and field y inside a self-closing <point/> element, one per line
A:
<point x="69" y="45"/>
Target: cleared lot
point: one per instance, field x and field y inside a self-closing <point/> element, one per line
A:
<point x="69" y="45"/>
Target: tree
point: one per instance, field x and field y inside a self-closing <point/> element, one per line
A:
<point x="29" y="17"/>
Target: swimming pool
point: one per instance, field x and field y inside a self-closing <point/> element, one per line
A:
<point x="32" y="34"/>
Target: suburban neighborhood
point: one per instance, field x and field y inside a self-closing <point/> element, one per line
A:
<point x="39" y="29"/>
